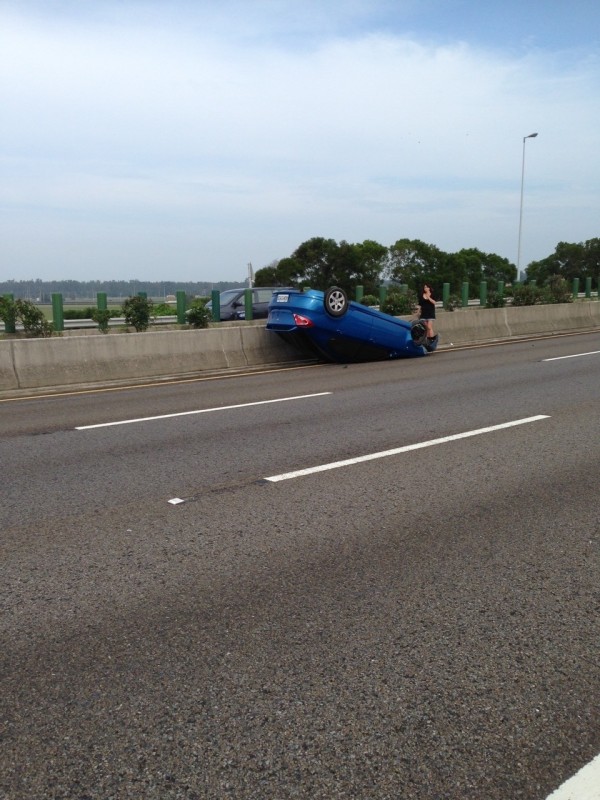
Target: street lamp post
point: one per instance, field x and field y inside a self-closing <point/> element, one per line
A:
<point x="530" y="136"/>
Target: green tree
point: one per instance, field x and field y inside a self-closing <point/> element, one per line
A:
<point x="474" y="266"/>
<point x="371" y="263"/>
<point x="569" y="260"/>
<point x="285" y="272"/>
<point x="414" y="262"/>
<point x="321" y="263"/>
<point x="317" y="259"/>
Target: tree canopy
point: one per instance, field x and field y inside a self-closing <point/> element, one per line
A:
<point x="320" y="263"/>
<point x="569" y="260"/>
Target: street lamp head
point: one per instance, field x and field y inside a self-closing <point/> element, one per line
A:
<point x="531" y="136"/>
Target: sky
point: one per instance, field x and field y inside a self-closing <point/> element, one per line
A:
<point x="185" y="139"/>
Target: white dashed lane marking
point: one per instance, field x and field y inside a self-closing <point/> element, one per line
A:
<point x="199" y="411"/>
<point x="299" y="473"/>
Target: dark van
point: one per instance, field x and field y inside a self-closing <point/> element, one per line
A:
<point x="233" y="305"/>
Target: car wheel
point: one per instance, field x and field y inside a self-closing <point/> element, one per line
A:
<point x="336" y="302"/>
<point x="418" y="331"/>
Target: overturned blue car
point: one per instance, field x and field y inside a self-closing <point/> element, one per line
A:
<point x="330" y="326"/>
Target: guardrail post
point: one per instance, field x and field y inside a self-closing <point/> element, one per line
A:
<point x="9" y="325"/>
<point x="58" y="317"/>
<point x="483" y="293"/>
<point x="575" y="288"/>
<point x="101" y="301"/>
<point x="215" y="300"/>
<point x="248" y="304"/>
<point x="382" y="294"/>
<point x="465" y="294"/>
<point x="445" y="294"/>
<point x="180" y="297"/>
<point x="360" y="293"/>
<point x="588" y="287"/>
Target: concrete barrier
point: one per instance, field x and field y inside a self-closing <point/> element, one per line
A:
<point x="56" y="362"/>
<point x="29" y="365"/>
<point x="470" y="325"/>
<point x="8" y="376"/>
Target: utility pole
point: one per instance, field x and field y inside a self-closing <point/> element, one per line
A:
<point x="530" y="136"/>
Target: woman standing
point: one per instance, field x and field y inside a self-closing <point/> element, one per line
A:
<point x="427" y="306"/>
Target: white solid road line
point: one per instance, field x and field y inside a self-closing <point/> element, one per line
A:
<point x="585" y="785"/>
<point x="199" y="411"/>
<point x="397" y="450"/>
<point x="575" y="355"/>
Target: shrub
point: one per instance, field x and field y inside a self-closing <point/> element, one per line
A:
<point x="137" y="312"/>
<point x="558" y="291"/>
<point x="29" y="315"/>
<point x="527" y="295"/>
<point x="101" y="316"/>
<point x="369" y="300"/>
<point x="398" y="303"/>
<point x="77" y="313"/>
<point x="8" y="312"/>
<point x="495" y="300"/>
<point x="164" y="310"/>
<point x="198" y="315"/>
<point x="452" y="303"/>
<point x="33" y="320"/>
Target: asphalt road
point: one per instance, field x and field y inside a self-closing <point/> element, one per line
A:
<point x="421" y="624"/>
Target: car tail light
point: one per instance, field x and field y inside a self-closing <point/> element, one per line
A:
<point x="303" y="322"/>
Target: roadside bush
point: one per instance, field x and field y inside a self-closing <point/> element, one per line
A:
<point x="528" y="295"/>
<point x="369" y="300"/>
<point x="29" y="315"/>
<point x="198" y="315"/>
<point x="77" y="313"/>
<point x="558" y="290"/>
<point x="164" y="310"/>
<point x="495" y="300"/>
<point x="452" y="303"/>
<point x="137" y="312"/>
<point x="399" y="304"/>
<point x="33" y="320"/>
<point x="88" y="312"/>
<point x="8" y="312"/>
<point x="101" y="316"/>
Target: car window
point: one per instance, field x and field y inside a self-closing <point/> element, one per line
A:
<point x="229" y="296"/>
<point x="264" y="295"/>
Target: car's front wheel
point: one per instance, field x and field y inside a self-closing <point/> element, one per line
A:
<point x="336" y="302"/>
<point x="418" y="331"/>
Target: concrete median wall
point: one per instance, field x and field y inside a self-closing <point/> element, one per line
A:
<point x="471" y="325"/>
<point x="89" y="360"/>
<point x="86" y="360"/>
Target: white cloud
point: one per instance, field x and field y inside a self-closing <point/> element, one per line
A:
<point x="241" y="147"/>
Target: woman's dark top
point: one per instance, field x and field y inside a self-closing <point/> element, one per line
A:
<point x="427" y="308"/>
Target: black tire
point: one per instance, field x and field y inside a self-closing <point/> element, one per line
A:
<point x="335" y="302"/>
<point x="418" y="331"/>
